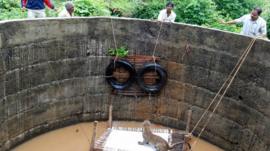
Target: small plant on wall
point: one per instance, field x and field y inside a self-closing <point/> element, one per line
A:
<point x="118" y="52"/>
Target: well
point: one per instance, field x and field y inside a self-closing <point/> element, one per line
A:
<point x="52" y="75"/>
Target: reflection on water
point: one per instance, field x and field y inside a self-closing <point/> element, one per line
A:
<point x="78" y="138"/>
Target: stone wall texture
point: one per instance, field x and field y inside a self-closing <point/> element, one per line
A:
<point x="52" y="75"/>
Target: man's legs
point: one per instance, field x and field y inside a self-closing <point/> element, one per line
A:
<point x="36" y="13"/>
<point x="30" y="14"/>
<point x="41" y="13"/>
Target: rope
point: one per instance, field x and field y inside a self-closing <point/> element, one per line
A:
<point x="213" y="100"/>
<point x="84" y="133"/>
<point x="114" y="40"/>
<point x="231" y="78"/>
<point x="243" y="54"/>
<point x="155" y="47"/>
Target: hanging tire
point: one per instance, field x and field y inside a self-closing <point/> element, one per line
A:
<point x="160" y="73"/>
<point x="116" y="83"/>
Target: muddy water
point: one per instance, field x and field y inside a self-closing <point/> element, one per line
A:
<point x="78" y="138"/>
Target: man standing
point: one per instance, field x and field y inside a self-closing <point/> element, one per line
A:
<point x="67" y="11"/>
<point x="253" y="24"/>
<point x="36" y="8"/>
<point x="167" y="15"/>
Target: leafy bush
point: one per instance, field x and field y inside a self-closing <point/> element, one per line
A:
<point x="236" y="8"/>
<point x="268" y="27"/>
<point x="90" y="8"/>
<point x="13" y="13"/>
<point x="266" y="16"/>
<point x="217" y="25"/>
<point x="148" y="10"/>
<point x="123" y="7"/>
<point x="249" y="4"/>
<point x="11" y="9"/>
<point x="231" y="8"/>
<point x="9" y="4"/>
<point x="195" y="11"/>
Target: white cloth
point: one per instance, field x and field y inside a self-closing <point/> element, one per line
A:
<point x="32" y="13"/>
<point x="64" y="13"/>
<point x="163" y="16"/>
<point x="128" y="141"/>
<point x="252" y="28"/>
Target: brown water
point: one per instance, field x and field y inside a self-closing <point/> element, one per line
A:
<point x="78" y="138"/>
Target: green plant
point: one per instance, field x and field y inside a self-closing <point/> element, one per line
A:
<point x="237" y="8"/>
<point x="231" y="8"/>
<point x="90" y="8"/>
<point x="266" y="16"/>
<point x="9" y="4"/>
<point x="195" y="11"/>
<point x="148" y="10"/>
<point x="118" y="52"/>
<point x="268" y="28"/>
<point x="10" y="9"/>
<point x="123" y="7"/>
<point x="217" y="25"/>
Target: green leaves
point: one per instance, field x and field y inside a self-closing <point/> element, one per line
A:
<point x="91" y="8"/>
<point x="233" y="8"/>
<point x="148" y="10"/>
<point x="9" y="4"/>
<point x="195" y="11"/>
<point x="11" y="9"/>
<point x="123" y="7"/>
<point x="118" y="52"/>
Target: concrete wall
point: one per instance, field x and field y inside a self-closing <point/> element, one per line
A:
<point x="52" y="75"/>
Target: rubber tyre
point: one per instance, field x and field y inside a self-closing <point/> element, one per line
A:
<point x="113" y="81"/>
<point x="156" y="87"/>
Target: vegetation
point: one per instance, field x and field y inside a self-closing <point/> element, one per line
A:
<point x="118" y="52"/>
<point x="10" y="9"/>
<point x="91" y="8"/>
<point x="123" y="7"/>
<point x="200" y="12"/>
<point x="148" y="10"/>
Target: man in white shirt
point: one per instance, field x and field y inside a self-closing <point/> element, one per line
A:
<point x="253" y="24"/>
<point x="167" y="15"/>
<point x="67" y="11"/>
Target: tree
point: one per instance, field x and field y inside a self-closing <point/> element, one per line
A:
<point x="195" y="11"/>
<point x="148" y="10"/>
